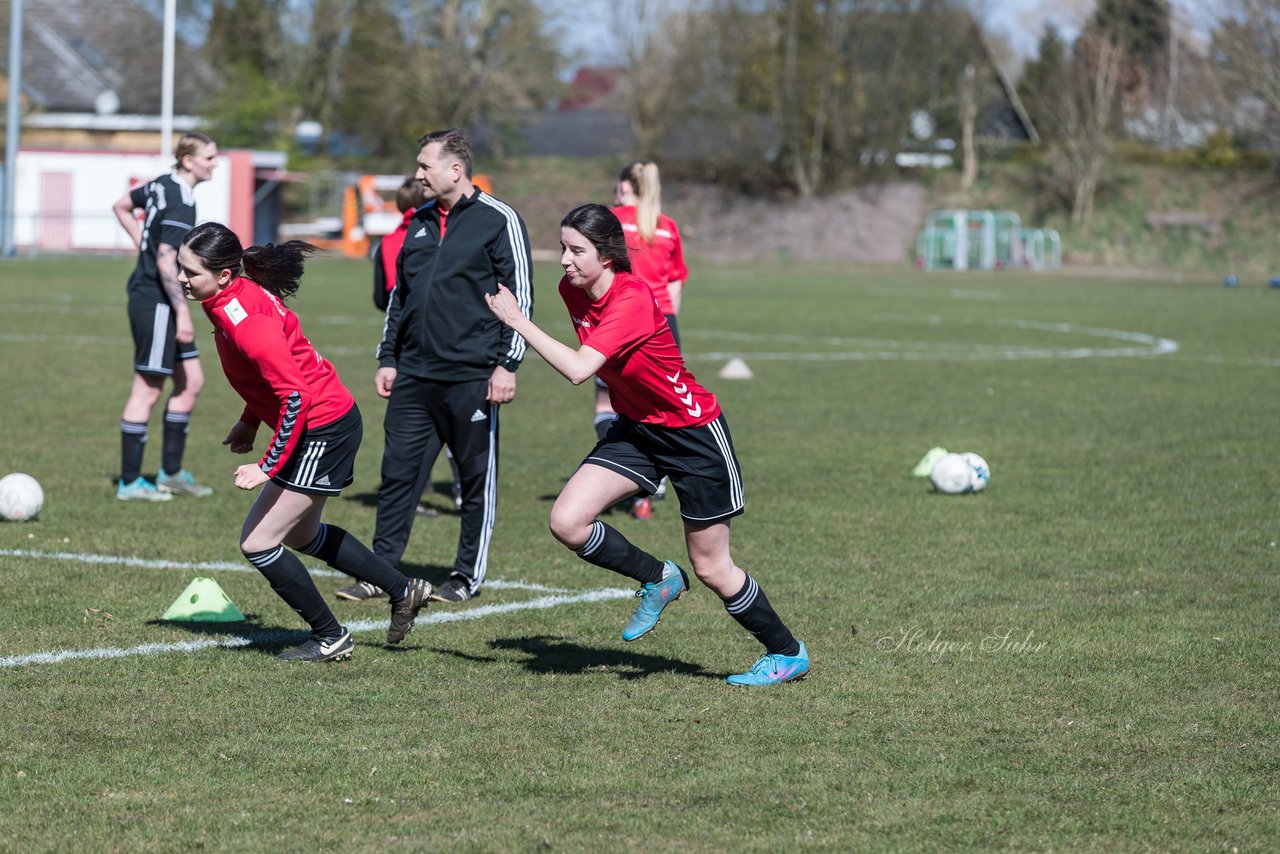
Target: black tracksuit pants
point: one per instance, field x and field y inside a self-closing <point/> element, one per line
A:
<point x="422" y="414"/>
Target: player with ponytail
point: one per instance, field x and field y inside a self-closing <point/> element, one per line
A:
<point x="317" y="428"/>
<point x="657" y="256"/>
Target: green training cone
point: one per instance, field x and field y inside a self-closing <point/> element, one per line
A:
<point x="925" y="467"/>
<point x="203" y="601"/>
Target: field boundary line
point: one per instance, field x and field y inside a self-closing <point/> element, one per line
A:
<point x="227" y="566"/>
<point x="356" y="627"/>
<point x="889" y="349"/>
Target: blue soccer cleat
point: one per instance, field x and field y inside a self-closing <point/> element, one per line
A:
<point x="140" y="489"/>
<point x="774" y="669"/>
<point x="653" y="598"/>
<point x="182" y="483"/>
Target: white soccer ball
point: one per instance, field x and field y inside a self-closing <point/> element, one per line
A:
<point x="981" y="471"/>
<point x="952" y="474"/>
<point x="20" y="497"/>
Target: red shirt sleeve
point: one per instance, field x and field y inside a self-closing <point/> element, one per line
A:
<point x="261" y="339"/>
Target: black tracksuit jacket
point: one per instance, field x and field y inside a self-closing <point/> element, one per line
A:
<point x="438" y="325"/>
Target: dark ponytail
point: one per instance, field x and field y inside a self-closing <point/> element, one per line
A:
<point x="277" y="268"/>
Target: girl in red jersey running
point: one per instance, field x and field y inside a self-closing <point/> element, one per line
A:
<point x="317" y="429"/>
<point x="667" y="425"/>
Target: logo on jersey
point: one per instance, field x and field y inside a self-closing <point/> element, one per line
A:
<point x="235" y="311"/>
<point x="583" y="322"/>
<point x="276" y="302"/>
<point x="422" y="232"/>
<point x="685" y="396"/>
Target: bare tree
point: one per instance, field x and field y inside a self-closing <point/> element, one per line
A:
<point x="479" y="61"/>
<point x="968" y="127"/>
<point x="649" y="39"/>
<point x="1246" y="42"/>
<point x="1084" y="121"/>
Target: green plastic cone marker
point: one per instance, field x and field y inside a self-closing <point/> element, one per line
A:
<point x="925" y="466"/>
<point x="203" y="601"/>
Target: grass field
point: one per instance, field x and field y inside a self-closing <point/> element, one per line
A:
<point x="1082" y="657"/>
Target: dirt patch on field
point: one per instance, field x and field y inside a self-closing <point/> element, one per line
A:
<point x="872" y="224"/>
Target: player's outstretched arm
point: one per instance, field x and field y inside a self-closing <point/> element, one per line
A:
<point x="577" y="366"/>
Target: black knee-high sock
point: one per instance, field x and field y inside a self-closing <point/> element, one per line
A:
<point x="751" y="608"/>
<point x="291" y="583"/>
<point x="340" y="550"/>
<point x="133" y="441"/>
<point x="175" y="441"/>
<point x="607" y="548"/>
<point x="603" y="421"/>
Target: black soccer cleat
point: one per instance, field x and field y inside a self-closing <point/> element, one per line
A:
<point x="404" y="611"/>
<point x="454" y="590"/>
<point x="321" y="649"/>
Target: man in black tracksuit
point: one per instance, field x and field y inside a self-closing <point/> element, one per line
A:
<point x="445" y="362"/>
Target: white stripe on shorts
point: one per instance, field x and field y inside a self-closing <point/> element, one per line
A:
<point x="310" y="462"/>
<point x="159" y="336"/>
<point x="730" y="462"/>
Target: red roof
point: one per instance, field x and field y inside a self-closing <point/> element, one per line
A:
<point x="590" y="85"/>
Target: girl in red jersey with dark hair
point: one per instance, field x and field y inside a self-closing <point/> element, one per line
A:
<point x="316" y="432"/>
<point x="667" y="425"/>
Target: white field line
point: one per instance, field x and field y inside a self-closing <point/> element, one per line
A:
<point x="225" y="566"/>
<point x="358" y="626"/>
<point x="882" y="350"/>
<point x="856" y="349"/>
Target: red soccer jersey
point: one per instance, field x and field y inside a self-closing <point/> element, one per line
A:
<point x="647" y="379"/>
<point x="272" y="365"/>
<point x="657" y="263"/>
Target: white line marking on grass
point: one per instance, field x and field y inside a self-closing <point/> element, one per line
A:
<point x="604" y="594"/>
<point x="358" y="626"/>
<point x="983" y="296"/>
<point x="920" y="351"/>
<point x="227" y="566"/>
<point x="145" y="563"/>
<point x="868" y="349"/>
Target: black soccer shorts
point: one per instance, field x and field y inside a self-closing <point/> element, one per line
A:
<point x="155" y="344"/>
<point x="324" y="460"/>
<point x="700" y="461"/>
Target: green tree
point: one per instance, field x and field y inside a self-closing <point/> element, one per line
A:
<point x="374" y="105"/>
<point x="245" y="44"/>
<point x="1045" y="71"/>
<point x="1141" y="28"/>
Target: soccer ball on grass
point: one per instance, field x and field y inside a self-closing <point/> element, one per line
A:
<point x="957" y="474"/>
<point x="981" y="471"/>
<point x="20" y="497"/>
